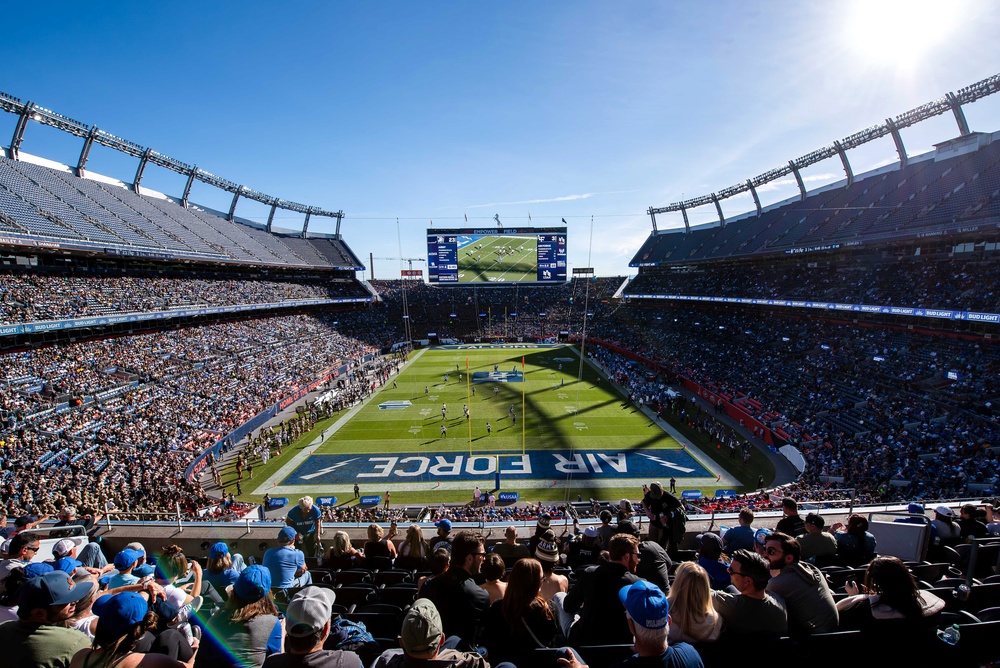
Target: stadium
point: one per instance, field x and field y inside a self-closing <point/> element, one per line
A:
<point x="177" y="373"/>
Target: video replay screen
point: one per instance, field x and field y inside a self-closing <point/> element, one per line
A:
<point x="521" y="255"/>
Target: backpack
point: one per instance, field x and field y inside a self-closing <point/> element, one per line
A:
<point x="353" y="637"/>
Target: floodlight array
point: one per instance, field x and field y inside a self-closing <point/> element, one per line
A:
<point x="951" y="102"/>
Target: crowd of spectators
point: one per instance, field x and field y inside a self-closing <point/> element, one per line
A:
<point x="954" y="283"/>
<point x="873" y="405"/>
<point x="30" y="296"/>
<point x="117" y="422"/>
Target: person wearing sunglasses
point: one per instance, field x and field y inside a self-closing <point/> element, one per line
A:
<point x="22" y="550"/>
<point x="801" y="585"/>
<point x="752" y="610"/>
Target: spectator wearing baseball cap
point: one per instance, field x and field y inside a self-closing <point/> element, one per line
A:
<point x="89" y="556"/>
<point x="38" y="637"/>
<point x="122" y="620"/>
<point x="124" y="562"/>
<point x="818" y="546"/>
<point x="248" y="627"/>
<point x="287" y="564"/>
<point x="307" y="626"/>
<point x="443" y="537"/>
<point x="421" y="637"/>
<point x="710" y="558"/>
<point x="659" y="507"/>
<point x="223" y="568"/>
<point x="143" y="568"/>
<point x="584" y="551"/>
<point x="647" y="613"/>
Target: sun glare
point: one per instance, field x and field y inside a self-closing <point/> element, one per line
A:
<point x="899" y="33"/>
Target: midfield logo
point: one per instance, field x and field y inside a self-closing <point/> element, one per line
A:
<point x="403" y="467"/>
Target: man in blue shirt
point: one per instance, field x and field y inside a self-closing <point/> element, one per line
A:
<point x="307" y="520"/>
<point x="286" y="564"/>
<point x="647" y="610"/>
<point x="740" y="537"/>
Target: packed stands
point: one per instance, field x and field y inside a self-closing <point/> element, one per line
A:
<point x="931" y="195"/>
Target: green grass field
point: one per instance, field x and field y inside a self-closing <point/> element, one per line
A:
<point x="479" y="262"/>
<point x="581" y="437"/>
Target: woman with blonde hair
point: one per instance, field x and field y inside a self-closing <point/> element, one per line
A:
<point x="413" y="551"/>
<point x="342" y="553"/>
<point x="378" y="545"/>
<point x="223" y="568"/>
<point x="692" y="617"/>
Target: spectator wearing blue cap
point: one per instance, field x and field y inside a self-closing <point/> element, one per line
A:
<point x="647" y="612"/>
<point x="223" y="568"/>
<point x="124" y="562"/>
<point x="122" y="620"/>
<point x="247" y="628"/>
<point x="443" y="537"/>
<point x="38" y="637"/>
<point x="287" y="565"/>
<point x="143" y="568"/>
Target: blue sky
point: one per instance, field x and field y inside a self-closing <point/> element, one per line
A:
<point x="433" y="111"/>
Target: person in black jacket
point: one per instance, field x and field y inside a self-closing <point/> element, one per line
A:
<point x="461" y="602"/>
<point x="595" y="596"/>
<point x="791" y="523"/>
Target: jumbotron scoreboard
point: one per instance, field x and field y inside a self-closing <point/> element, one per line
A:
<point x="519" y="255"/>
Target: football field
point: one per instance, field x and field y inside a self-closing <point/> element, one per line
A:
<point x="548" y="433"/>
<point x="498" y="259"/>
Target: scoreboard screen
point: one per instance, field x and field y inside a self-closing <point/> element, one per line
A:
<point x="519" y="255"/>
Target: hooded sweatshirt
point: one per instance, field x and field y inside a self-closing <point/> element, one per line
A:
<point x="807" y="596"/>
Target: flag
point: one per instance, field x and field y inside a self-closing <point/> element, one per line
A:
<point x="466" y="363"/>
<point x="529" y="216"/>
<point x="432" y="223"/>
<point x="564" y="222"/>
<point x="466" y="217"/>
<point x="522" y="362"/>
